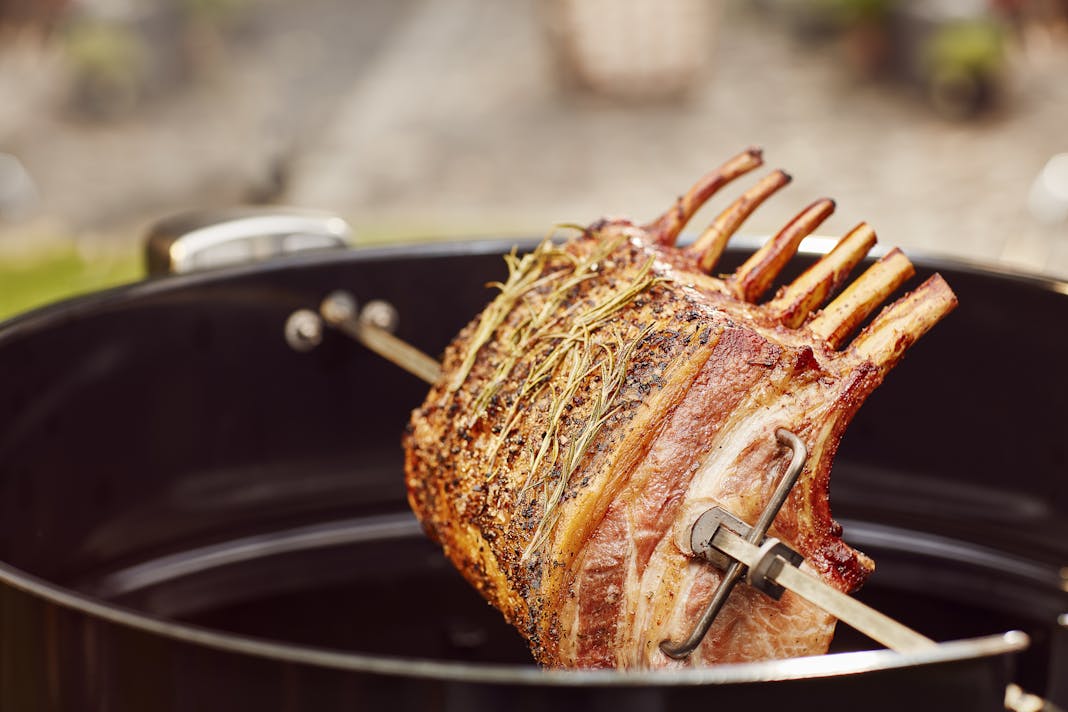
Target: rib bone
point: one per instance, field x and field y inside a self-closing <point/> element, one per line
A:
<point x="808" y="291"/>
<point x="755" y="276"/>
<point x="710" y="245"/>
<point x="852" y="306"/>
<point x="665" y="229"/>
<point x="900" y="325"/>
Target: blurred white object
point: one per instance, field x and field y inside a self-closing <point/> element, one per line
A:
<point x="634" y="49"/>
<point x="1048" y="200"/>
<point x="17" y="190"/>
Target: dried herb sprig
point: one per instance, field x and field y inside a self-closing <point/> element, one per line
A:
<point x="561" y="338"/>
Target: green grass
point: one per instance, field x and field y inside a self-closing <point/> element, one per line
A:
<point x="30" y="282"/>
<point x="62" y="271"/>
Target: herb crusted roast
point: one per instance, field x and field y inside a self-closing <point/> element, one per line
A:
<point x="613" y="391"/>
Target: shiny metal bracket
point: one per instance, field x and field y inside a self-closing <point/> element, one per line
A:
<point x="773" y="567"/>
<point x="709" y="523"/>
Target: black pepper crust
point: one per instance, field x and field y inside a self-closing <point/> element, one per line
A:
<point x="552" y="397"/>
<point x="451" y="477"/>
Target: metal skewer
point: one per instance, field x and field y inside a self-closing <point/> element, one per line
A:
<point x="339" y="310"/>
<point x="877" y="626"/>
<point x="371" y="326"/>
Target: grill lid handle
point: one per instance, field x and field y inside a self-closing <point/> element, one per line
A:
<point x="209" y="239"/>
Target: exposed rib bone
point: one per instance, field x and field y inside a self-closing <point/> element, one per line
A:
<point x="859" y="299"/>
<point x="808" y="291"/>
<point x="755" y="276"/>
<point x="665" y="229"/>
<point x="709" y="246"/>
<point x="897" y="327"/>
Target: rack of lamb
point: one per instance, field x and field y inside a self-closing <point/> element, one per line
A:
<point x="614" y="390"/>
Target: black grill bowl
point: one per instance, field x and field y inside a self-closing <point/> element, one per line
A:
<point x="193" y="516"/>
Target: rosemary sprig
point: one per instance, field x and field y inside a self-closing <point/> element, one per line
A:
<point x="606" y="402"/>
<point x="522" y="275"/>
<point x="567" y="342"/>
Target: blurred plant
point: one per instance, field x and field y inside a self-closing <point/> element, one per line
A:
<point x="865" y="24"/>
<point x="121" y="54"/>
<point x="952" y="50"/>
<point x="218" y="12"/>
<point x="860" y="26"/>
<point x="819" y="19"/>
<point x="850" y="12"/>
<point x="961" y="63"/>
<point x="107" y="65"/>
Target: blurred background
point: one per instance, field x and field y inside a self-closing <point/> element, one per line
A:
<point x="944" y="123"/>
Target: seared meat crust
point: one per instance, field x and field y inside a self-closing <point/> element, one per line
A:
<point x="609" y="395"/>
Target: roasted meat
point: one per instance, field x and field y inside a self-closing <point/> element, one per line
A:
<point x="614" y="390"/>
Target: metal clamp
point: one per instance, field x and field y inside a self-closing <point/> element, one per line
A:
<point x="701" y="541"/>
<point x="774" y="555"/>
<point x="704" y="531"/>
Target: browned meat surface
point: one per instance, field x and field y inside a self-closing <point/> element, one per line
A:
<point x="613" y="391"/>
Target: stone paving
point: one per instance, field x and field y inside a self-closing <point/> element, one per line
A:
<point x="444" y="133"/>
<point x="446" y="117"/>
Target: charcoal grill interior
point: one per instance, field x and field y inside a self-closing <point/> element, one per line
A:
<point x="163" y="449"/>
